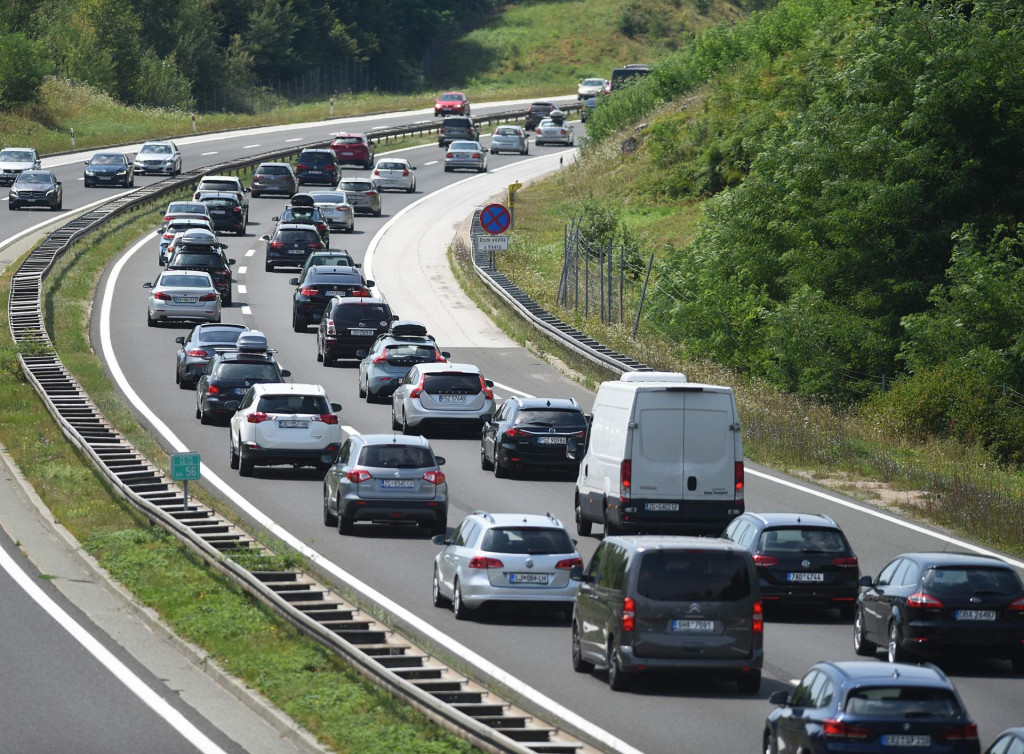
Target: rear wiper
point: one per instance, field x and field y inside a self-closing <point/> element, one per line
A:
<point x="812" y="552"/>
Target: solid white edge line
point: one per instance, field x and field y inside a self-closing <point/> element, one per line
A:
<point x="209" y="476"/>
<point x="105" y="657"/>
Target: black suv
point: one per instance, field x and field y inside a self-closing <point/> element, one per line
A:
<point x="291" y="244"/>
<point x="457" y="129"/>
<point x="318" y="286"/>
<point x="350" y="324"/>
<point x="318" y="166"/>
<point x="209" y="259"/>
<point x="536" y="112"/>
<point x="531" y="432"/>
<point x="227" y="212"/>
<point x="801" y="559"/>
<point x="228" y="376"/>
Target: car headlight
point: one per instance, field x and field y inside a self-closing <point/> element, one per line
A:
<point x="122" y="171"/>
<point x="50" y="192"/>
<point x="90" y="171"/>
<point x="14" y="192"/>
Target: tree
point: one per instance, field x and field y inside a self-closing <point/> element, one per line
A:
<point x="23" y="66"/>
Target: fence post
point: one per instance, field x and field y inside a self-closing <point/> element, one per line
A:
<point x="586" y="284"/>
<point x="883" y="383"/>
<point x="622" y="269"/>
<point x="600" y="284"/>
<point x="643" y="295"/>
<point x="611" y="293"/>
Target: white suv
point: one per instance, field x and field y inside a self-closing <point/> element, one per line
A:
<point x="443" y="394"/>
<point x="284" y="423"/>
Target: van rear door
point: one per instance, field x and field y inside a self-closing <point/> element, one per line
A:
<point x="657" y="452"/>
<point x="709" y="447"/>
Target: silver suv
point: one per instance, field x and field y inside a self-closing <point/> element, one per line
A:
<point x="669" y="603"/>
<point x="441" y="394"/>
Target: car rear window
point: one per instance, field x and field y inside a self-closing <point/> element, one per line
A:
<point x="219" y="335"/>
<point x="217" y="186"/>
<point x="802" y="540"/>
<point x="184" y="281"/>
<point x="196" y="260"/>
<point x="357" y="185"/>
<point x="251" y="371"/>
<point x="297" y="234"/>
<point x="361" y="313"/>
<point x="333" y="278"/>
<point x="317" y="158"/>
<point x="186" y="207"/>
<point x="405" y="354"/>
<point x="528" y="540"/>
<point x="452" y="383"/>
<point x="335" y="261"/>
<point x="966" y="580"/>
<point x="299" y="215"/>
<point x="906" y="701"/>
<point x="348" y="140"/>
<point x="457" y="123"/>
<point x="391" y="166"/>
<point x="551" y="418"/>
<point x="294" y="404"/>
<point x="696" y="575"/>
<point x="273" y="170"/>
<point x="217" y="201"/>
<point x="506" y="131"/>
<point x="329" y="198"/>
<point x="396" y="456"/>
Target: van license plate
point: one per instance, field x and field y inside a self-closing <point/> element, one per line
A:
<point x="661" y="507"/>
<point x="528" y="578"/>
<point x="975" y="614"/>
<point x="805" y="578"/>
<point x="694" y="626"/>
<point x="902" y="739"/>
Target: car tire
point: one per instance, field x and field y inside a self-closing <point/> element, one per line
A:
<point x="411" y="189"/>
<point x="436" y="597"/>
<point x="12" y="206"/>
<point x="406" y="429"/>
<point x="578" y="663"/>
<point x="199" y="413"/>
<point x="526" y="150"/>
<point x="458" y="606"/>
<point x="847" y="610"/>
<point x="617" y="680"/>
<point x="583" y="526"/>
<point x="377" y="213"/>
<point x="362" y="391"/>
<point x="268" y="267"/>
<point x="245" y="465"/>
<point x="394" y="420"/>
<point x="1017" y="661"/>
<point x="861" y="645"/>
<point x="298" y="325"/>
<point x="255" y="194"/>
<point x="319" y="353"/>
<point x="439" y="527"/>
<point x="894" y="649"/>
<point x="371" y="397"/>
<point x="447" y="169"/>
<point x="203" y="417"/>
<point x="346" y="525"/>
<point x="499" y="471"/>
<point x="228" y="301"/>
<point x="150" y="321"/>
<point x="767" y="747"/>
<point x="232" y="454"/>
<point x="749" y="683"/>
<point x="330" y="518"/>
<point x="484" y="463"/>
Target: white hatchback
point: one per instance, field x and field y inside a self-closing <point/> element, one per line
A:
<point x="394" y="173"/>
<point x="284" y="424"/>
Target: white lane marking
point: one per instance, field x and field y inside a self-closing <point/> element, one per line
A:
<point x="250" y="252"/>
<point x="113" y="665"/>
<point x="403" y="614"/>
<point x="251" y="146"/>
<point x="288" y="141"/>
<point x="242" y="288"/>
<point x="887" y="518"/>
<point x="432" y="162"/>
<point x="247" y="310"/>
<point x="34" y="228"/>
<point x="206" y="154"/>
<point x="242" y="270"/>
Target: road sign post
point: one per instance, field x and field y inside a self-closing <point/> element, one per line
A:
<point x="185" y="466"/>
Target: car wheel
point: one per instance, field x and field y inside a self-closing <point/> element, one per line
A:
<point x="12" y="206"/>
<point x="255" y="194"/>
<point x="1017" y="662"/>
<point x="150" y="321"/>
<point x="499" y="471"/>
<point x="371" y="397"/>
<point x="861" y="645"/>
<point x="377" y="213"/>
<point x="847" y="610"/>
<point x="583" y="526"/>
<point x="578" y="663"/>
<point x="435" y="591"/>
<point x="232" y="454"/>
<point x="298" y="325"/>
<point x="617" y="680"/>
<point x="268" y="267"/>
<point x="767" y="748"/>
<point x="228" y="300"/>
<point x="245" y="465"/>
<point x="204" y="417"/>
<point x="526" y="150"/>
<point x="319" y="353"/>
<point x="362" y="391"/>
<point x="394" y="421"/>
<point x="406" y="429"/>
<point x="458" y="606"/>
<point x="485" y="464"/>
<point x="345" y="524"/>
<point x="439" y="527"/>
<point x="330" y="518"/>
<point x="749" y="683"/>
<point x="895" y="651"/>
<point x="447" y="169"/>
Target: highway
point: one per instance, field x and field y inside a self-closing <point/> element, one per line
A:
<point x="407" y="262"/>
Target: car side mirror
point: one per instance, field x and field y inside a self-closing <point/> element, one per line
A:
<point x="293" y="281"/>
<point x="576" y="574"/>
<point x="328" y="458"/>
<point x="370" y="284"/>
<point x="276" y="219"/>
<point x="360" y="354"/>
<point x="779" y="698"/>
<point x="264" y="238"/>
<point x="866" y="581"/>
<point x="446" y="354"/>
<point x="358" y="264"/>
<point x="439" y="539"/>
<point x="413" y="167"/>
<point x="86" y="162"/>
<point x="231" y="261"/>
<point x="248" y="190"/>
<point x="180" y="339"/>
<point x="59" y="184"/>
<point x="589" y="418"/>
<point x="335" y="407"/>
<point x="394" y="317"/>
<point x="147" y="285"/>
<point x="489" y="383"/>
<point x="285" y="373"/>
<point x="486" y="418"/>
<point x="439" y="460"/>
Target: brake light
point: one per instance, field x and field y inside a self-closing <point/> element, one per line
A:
<point x="765" y="560"/>
<point x="449" y="156"/>
<point x="376" y="172"/>
<point x="330" y="327"/>
<point x="477" y="155"/>
<point x="370" y="193"/>
<point x="485" y="390"/>
<point x="212" y="390"/>
<point x="301" y="166"/>
<point x="758" y="619"/>
<point x="405" y="173"/>
<point x="564" y="132"/>
<point x="625" y="479"/>
<point x="168" y="218"/>
<point x="565" y="565"/>
<point x="276" y="245"/>
<point x="168" y="236"/>
<point x="415" y="392"/>
<point x="1017" y="606"/>
<point x="480" y="561"/>
<point x="160" y="296"/>
<point x="439" y="357"/>
<point x="198" y="353"/>
<point x="208" y="297"/>
<point x="845" y="562"/>
<point x="308" y="291"/>
<point x="327" y="418"/>
<point x="513" y="432"/>
<point x="967" y="732"/>
<point x="359" y="292"/>
<point x="316" y="245"/>
<point x="628" y="614"/>
<point x="434" y="477"/>
<point x="581" y="434"/>
<point x="381" y="360"/>
<point x="923" y="601"/>
<point x="739" y="480"/>
<point x="237" y="210"/>
<point x="256" y="417"/>
<point x="358" y="475"/>
<point x="839" y="729"/>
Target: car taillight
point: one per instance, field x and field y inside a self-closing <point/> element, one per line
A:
<point x="256" y="417"/>
<point x="381" y="360"/>
<point x="967" y="732"/>
<point x="449" y="156"/>
<point x="308" y="291"/>
<point x="565" y="565"/>
<point x="160" y="296"/>
<point x="757" y="625"/>
<point x="845" y="562"/>
<point x="212" y="390"/>
<point x="237" y="210"/>
<point x="376" y="172"/>
<point x="415" y="392"/>
<point x="628" y="614"/>
<point x="581" y="434"/>
<point x="370" y="193"/>
<point x="738" y="477"/>
<point x="439" y="357"/>
<point x="276" y="245"/>
<point x="839" y="729"/>
<point x="765" y="560"/>
<point x="358" y="475"/>
<point x="208" y="297"/>
<point x="625" y="479"/>
<point x="405" y="173"/>
<point x="477" y="155"/>
<point x="359" y="292"/>
<point x="316" y="245"/>
<point x="485" y="390"/>
<point x="480" y="561"/>
<point x="168" y="236"/>
<point x="341" y="208"/>
<point x="564" y="132"/>
<point x="513" y="432"/>
<point x="330" y="327"/>
<point x="327" y="418"/>
<point x="1017" y="606"/>
<point x="434" y="477"/>
<point x="924" y="601"/>
<point x="301" y="166"/>
<point x="199" y="353"/>
<point x="168" y="218"/>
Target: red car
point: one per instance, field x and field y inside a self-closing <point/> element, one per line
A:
<point x="451" y="103"/>
<point x="353" y="149"/>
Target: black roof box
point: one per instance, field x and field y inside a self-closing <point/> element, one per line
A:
<point x="404" y="328"/>
<point x="302" y="200"/>
<point x="254" y="340"/>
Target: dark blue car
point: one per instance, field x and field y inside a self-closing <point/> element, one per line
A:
<point x="110" y="169"/>
<point x="864" y="706"/>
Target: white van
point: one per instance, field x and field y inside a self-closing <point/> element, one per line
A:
<point x="663" y="455"/>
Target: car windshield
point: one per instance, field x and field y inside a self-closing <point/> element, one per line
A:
<point x="330" y="197"/>
<point x="184" y="281"/>
<point x="551" y="418"/>
<point x="9" y="155"/>
<point x="528" y="540"/>
<point x="693" y="575"/>
<point x="107" y="159"/>
<point x="357" y="186"/>
<point x="294" y="404"/>
<point x="356" y="313"/>
<point x="273" y="170"/>
<point x="34" y="178"/>
<point x="802" y="540"/>
<point x="452" y="383"/>
<point x="219" y="334"/>
<point x="965" y="580"/>
<point x="902" y="701"/>
<point x="248" y="371"/>
<point x="451" y="97"/>
<point x="155" y="149"/>
<point x="396" y="456"/>
<point x="407" y="354"/>
<point x="593" y="82"/>
<point x="506" y="131"/>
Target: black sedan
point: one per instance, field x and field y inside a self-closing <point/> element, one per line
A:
<point x="197" y="348"/>
<point x="801" y="559"/>
<point x="110" y="169"/>
<point x="36" y="188"/>
<point x="531" y="433"/>
<point x="934" y="603"/>
<point x="316" y="289"/>
<point x="226" y="379"/>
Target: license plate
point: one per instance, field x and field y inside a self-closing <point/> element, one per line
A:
<point x="292" y="424"/>
<point x="655" y="507"/>
<point x="902" y="739"/>
<point x="296" y="251"/>
<point x="804" y="578"/>
<point x="694" y="626"/>
<point x="451" y="399"/>
<point x="333" y="293"/>
<point x="218" y="212"/>
<point x="240" y="390"/>
<point x="400" y="484"/>
<point x="528" y="578"/>
<point x="348" y="154"/>
<point x="362" y="332"/>
<point x="186" y="299"/>
<point x="551" y="440"/>
<point x="975" y="614"/>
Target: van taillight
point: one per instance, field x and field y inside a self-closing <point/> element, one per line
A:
<point x="739" y="480"/>
<point x="758" y="623"/>
<point x="628" y="614"/>
<point x="625" y="479"/>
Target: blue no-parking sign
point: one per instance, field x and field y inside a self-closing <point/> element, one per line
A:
<point x="495" y="219"/>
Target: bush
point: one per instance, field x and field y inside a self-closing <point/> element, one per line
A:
<point x="23" y="66"/>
